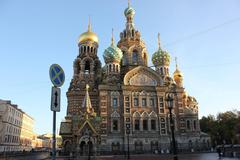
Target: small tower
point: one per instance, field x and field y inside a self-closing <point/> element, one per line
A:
<point x="178" y="75"/>
<point x="87" y="66"/>
<point x="131" y="44"/>
<point x="112" y="57"/>
<point x="161" y="60"/>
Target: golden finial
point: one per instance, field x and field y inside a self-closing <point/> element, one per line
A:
<point x="176" y="62"/>
<point x="159" y="41"/>
<point x="87" y="87"/>
<point x="128" y="3"/>
<point x="89" y="25"/>
<point x="112" y="38"/>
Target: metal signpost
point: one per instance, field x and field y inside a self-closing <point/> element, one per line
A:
<point x="57" y="77"/>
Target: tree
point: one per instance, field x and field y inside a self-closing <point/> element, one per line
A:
<point x="224" y="128"/>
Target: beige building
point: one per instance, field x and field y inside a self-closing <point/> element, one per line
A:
<point x="126" y="93"/>
<point x="16" y="128"/>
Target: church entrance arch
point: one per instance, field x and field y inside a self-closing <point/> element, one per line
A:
<point x="86" y="146"/>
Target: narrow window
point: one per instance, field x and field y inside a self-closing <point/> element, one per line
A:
<point x="188" y="124"/>
<point x="152" y="102"/>
<point x="135" y="102"/>
<point x="153" y="124"/>
<point x="145" y="125"/>
<point x="115" y="104"/>
<point x="137" y="124"/>
<point x="134" y="57"/>
<point x="115" y="125"/>
<point x="87" y="67"/>
<point x="144" y="102"/>
<point x="194" y="124"/>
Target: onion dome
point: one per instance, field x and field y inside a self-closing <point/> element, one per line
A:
<point x="177" y="75"/>
<point x="88" y="36"/>
<point x="129" y="11"/>
<point x="112" y="53"/>
<point x="160" y="57"/>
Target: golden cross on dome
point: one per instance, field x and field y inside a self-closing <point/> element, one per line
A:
<point x="112" y="38"/>
<point x="159" y="46"/>
<point x="128" y="3"/>
<point x="89" y="24"/>
<point x="176" y="62"/>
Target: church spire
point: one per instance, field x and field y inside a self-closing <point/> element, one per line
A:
<point x="176" y="63"/>
<point x="87" y="102"/>
<point x="112" y="39"/>
<point x="159" y="45"/>
<point x="89" y="24"/>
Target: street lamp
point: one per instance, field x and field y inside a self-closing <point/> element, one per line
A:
<point x="169" y="100"/>
<point x="89" y="149"/>
<point x="128" y="132"/>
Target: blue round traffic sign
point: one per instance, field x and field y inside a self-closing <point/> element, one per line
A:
<point x="57" y="75"/>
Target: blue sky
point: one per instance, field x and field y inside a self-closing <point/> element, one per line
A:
<point x="203" y="34"/>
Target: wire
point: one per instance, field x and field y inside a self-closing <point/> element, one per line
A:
<point x="202" y="32"/>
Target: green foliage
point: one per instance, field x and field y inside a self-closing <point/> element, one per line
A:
<point x="224" y="128"/>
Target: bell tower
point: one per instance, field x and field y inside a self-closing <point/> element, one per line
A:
<point x="131" y="44"/>
<point x="86" y="70"/>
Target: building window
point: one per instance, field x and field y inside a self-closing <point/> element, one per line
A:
<point x="188" y="124"/>
<point x="152" y="102"/>
<point x="153" y="124"/>
<point x="145" y="125"/>
<point x="135" y="102"/>
<point x="115" y="104"/>
<point x="195" y="125"/>
<point x="137" y="124"/>
<point x="163" y="131"/>
<point x="115" y="125"/>
<point x="134" y="57"/>
<point x="87" y="67"/>
<point x="144" y="102"/>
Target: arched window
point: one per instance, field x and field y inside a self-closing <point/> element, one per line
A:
<point x="87" y="67"/>
<point x="161" y="71"/>
<point x="91" y="49"/>
<point x="134" y="57"/>
<point x="188" y="124"/>
<point x="110" y="68"/>
<point x="117" y="68"/>
<point x="124" y="58"/>
<point x="84" y="49"/>
<point x="113" y="67"/>
<point x="88" y="49"/>
<point x="195" y="125"/>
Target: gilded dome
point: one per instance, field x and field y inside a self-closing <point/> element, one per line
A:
<point x="88" y="36"/>
<point x="161" y="58"/>
<point x="129" y="11"/>
<point x="177" y="75"/>
<point x="112" y="54"/>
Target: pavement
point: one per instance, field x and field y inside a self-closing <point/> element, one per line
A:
<point x="198" y="156"/>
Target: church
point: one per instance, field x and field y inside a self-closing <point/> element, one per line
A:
<point x="122" y="103"/>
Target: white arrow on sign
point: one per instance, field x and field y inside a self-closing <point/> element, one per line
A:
<point x="55" y="99"/>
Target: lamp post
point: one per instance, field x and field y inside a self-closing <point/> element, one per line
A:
<point x="128" y="132"/>
<point x="89" y="149"/>
<point x="169" y="100"/>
